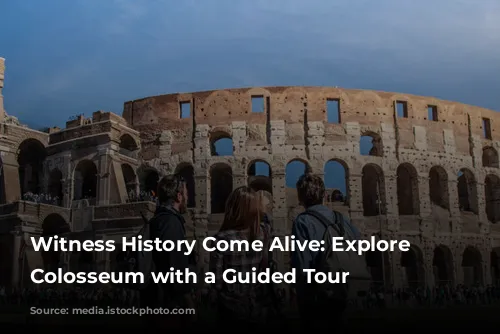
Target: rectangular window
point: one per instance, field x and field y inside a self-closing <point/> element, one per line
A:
<point x="257" y="103"/>
<point x="402" y="109"/>
<point x="432" y="113"/>
<point x="487" y="128"/>
<point x="333" y="111"/>
<point x="185" y="108"/>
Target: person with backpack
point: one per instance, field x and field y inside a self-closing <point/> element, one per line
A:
<point x="322" y="305"/>
<point x="241" y="305"/>
<point x="169" y="224"/>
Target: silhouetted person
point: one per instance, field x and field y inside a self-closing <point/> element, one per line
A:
<point x="169" y="224"/>
<point x="310" y="191"/>
<point x="241" y="305"/>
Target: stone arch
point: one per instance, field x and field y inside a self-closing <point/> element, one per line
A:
<point x="221" y="186"/>
<point x="219" y="102"/>
<point x="490" y="157"/>
<point x="130" y="180"/>
<point x="407" y="190"/>
<point x="148" y="179"/>
<point x="373" y="189"/>
<point x="368" y="98"/>
<point x="412" y="262"/>
<point x="495" y="266"/>
<point x="472" y="266"/>
<point x="294" y="169"/>
<point x="467" y="191"/>
<point x="221" y="143"/>
<point x="85" y="180"/>
<point x="56" y="185"/>
<point x="438" y="187"/>
<point x="260" y="176"/>
<point x="442" y="263"/>
<point x="127" y="142"/>
<point x="370" y="143"/>
<point x="186" y="171"/>
<point x="492" y="197"/>
<point x="53" y="224"/>
<point x="30" y="156"/>
<point x="336" y="177"/>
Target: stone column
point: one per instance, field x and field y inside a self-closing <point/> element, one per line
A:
<point x="10" y="171"/>
<point x="459" y="270"/>
<point x="356" y="199"/>
<point x="105" y="161"/>
<point x="484" y="224"/>
<point x="17" y="243"/>
<point x="239" y="175"/>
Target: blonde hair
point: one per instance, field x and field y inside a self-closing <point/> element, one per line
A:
<point x="243" y="211"/>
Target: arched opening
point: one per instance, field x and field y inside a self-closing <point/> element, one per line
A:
<point x="187" y="173"/>
<point x="260" y="177"/>
<point x="55" y="186"/>
<point x="53" y="224"/>
<point x="407" y="189"/>
<point x="442" y="263"/>
<point x="221" y="144"/>
<point x="467" y="191"/>
<point x="31" y="155"/>
<point x="85" y="180"/>
<point x="130" y="180"/>
<point x="492" y="198"/>
<point x="221" y="186"/>
<point x="371" y="144"/>
<point x="412" y="262"/>
<point x="373" y="188"/>
<point x="380" y="268"/>
<point x="336" y="181"/>
<point x="495" y="266"/>
<point x="148" y="180"/>
<point x="472" y="266"/>
<point x="490" y="157"/>
<point x="127" y="143"/>
<point x="438" y="187"/>
<point x="293" y="171"/>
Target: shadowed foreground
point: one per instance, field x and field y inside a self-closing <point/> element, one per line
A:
<point x="393" y="320"/>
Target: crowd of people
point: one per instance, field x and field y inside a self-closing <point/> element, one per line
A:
<point x="376" y="298"/>
<point x="142" y="196"/>
<point x="251" y="303"/>
<point x="41" y="198"/>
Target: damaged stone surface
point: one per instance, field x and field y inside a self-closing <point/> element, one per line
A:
<point x="434" y="183"/>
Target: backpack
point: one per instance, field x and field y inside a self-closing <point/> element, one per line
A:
<point x="138" y="261"/>
<point x="359" y="279"/>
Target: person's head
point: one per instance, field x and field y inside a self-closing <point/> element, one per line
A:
<point x="310" y="190"/>
<point x="266" y="200"/>
<point x="243" y="209"/>
<point x="172" y="190"/>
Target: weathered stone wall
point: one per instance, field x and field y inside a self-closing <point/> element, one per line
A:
<point x="294" y="126"/>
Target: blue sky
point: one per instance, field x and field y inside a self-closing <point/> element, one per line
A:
<point x="69" y="57"/>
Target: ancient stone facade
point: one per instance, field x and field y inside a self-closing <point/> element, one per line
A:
<point x="431" y="175"/>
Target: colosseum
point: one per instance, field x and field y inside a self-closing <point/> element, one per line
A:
<point x="404" y="167"/>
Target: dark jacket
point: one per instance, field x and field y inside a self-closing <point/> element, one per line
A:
<point x="169" y="224"/>
<point x="306" y="227"/>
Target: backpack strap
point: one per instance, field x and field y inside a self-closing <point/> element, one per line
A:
<point x="337" y="225"/>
